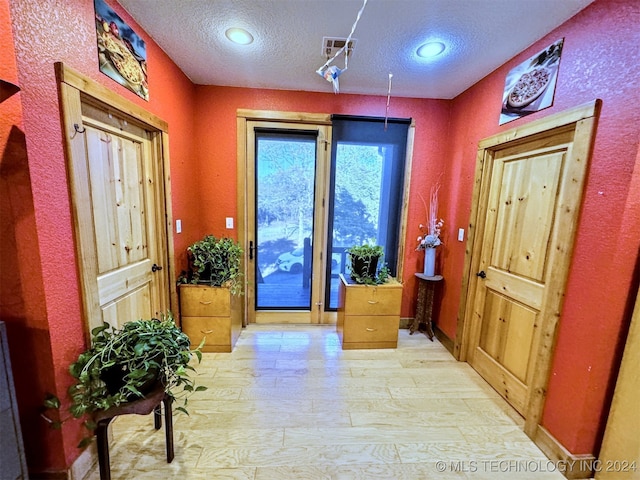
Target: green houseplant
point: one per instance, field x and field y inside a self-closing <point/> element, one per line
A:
<point x="215" y="261"/>
<point x="363" y="264"/>
<point x="210" y="303"/>
<point x="123" y="364"/>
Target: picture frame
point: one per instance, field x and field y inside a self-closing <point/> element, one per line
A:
<point x="530" y="87"/>
<point x="122" y="54"/>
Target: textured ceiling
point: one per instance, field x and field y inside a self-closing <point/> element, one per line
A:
<point x="480" y="36"/>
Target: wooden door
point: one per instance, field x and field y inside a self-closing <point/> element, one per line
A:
<point x="275" y="294"/>
<point x="620" y="453"/>
<point x="118" y="179"/>
<point x="529" y="194"/>
<point x="122" y="186"/>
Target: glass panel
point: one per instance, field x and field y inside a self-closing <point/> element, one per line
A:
<point x="285" y="181"/>
<point x="359" y="215"/>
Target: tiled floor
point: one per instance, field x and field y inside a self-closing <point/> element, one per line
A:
<point x="289" y="403"/>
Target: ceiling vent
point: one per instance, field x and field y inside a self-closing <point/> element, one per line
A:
<point x="331" y="45"/>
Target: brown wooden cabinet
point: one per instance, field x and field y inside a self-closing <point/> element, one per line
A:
<point x="368" y="315"/>
<point x="211" y="312"/>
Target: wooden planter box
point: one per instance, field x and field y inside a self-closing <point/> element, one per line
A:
<point x="210" y="312"/>
<point x="368" y="315"/>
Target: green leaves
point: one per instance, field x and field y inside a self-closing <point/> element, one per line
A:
<point x="216" y="261"/>
<point x="123" y="364"/>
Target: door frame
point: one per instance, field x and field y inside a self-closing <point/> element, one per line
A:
<point x="583" y="120"/>
<point x="243" y="118"/>
<point x="75" y="89"/>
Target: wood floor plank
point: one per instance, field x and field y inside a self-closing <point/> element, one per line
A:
<point x="289" y="403"/>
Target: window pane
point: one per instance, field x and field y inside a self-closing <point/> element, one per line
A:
<point x="367" y="187"/>
<point x="285" y="179"/>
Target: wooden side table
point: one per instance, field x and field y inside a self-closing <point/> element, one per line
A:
<point x="424" y="306"/>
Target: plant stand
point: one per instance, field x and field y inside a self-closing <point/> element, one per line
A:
<point x="143" y="406"/>
<point x="424" y="306"/>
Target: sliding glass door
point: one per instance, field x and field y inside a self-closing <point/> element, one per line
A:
<point x="308" y="199"/>
<point x="287" y="187"/>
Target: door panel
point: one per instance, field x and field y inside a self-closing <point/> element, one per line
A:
<point x="525" y="201"/>
<point x="122" y="205"/>
<point x="116" y="166"/>
<point x="287" y="164"/>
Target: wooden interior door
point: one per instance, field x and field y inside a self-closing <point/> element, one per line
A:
<point x="620" y="453"/>
<point x="130" y="274"/>
<point x="529" y="196"/>
<point x="117" y="160"/>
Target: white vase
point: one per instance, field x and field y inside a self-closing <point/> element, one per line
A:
<point x="429" y="262"/>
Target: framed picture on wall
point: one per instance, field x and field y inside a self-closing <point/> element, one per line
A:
<point x="122" y="54"/>
<point x="530" y="86"/>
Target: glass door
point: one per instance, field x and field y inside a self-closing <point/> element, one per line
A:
<point x="286" y="181"/>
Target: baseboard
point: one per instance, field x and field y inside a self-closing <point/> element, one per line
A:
<point x="443" y="339"/>
<point x="84" y="463"/>
<point x="570" y="465"/>
<point x="78" y="470"/>
<point x="405" y="322"/>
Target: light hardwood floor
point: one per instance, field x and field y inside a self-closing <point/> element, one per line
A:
<point x="289" y="403"/>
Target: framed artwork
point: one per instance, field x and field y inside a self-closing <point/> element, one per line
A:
<point x="122" y="54"/>
<point x="530" y="86"/>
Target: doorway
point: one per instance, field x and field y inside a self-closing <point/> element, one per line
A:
<point x="117" y="166"/>
<point x="309" y="187"/>
<point x="286" y="193"/>
<point x="526" y="203"/>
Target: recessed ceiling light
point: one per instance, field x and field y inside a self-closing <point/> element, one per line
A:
<point x="239" y="36"/>
<point x="430" y="49"/>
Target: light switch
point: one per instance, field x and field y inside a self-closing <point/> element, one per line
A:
<point x="229" y="222"/>
<point x="461" y="234"/>
<point x="178" y="226"/>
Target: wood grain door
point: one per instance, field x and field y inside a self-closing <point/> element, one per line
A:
<point x="129" y="271"/>
<point x="117" y="161"/>
<point x="529" y="202"/>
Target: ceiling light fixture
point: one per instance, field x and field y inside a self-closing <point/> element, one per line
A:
<point x="430" y="49"/>
<point x="239" y="36"/>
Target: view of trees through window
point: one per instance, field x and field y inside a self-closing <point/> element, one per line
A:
<point x="285" y="181"/>
<point x="363" y="206"/>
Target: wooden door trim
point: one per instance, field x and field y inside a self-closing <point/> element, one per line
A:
<point x="583" y="119"/>
<point x="74" y="90"/>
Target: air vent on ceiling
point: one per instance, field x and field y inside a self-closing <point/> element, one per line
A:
<point x="331" y="45"/>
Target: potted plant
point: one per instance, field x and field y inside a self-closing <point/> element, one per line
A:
<point x="215" y="261"/>
<point x="363" y="264"/>
<point x="210" y="306"/>
<point x="124" y="364"/>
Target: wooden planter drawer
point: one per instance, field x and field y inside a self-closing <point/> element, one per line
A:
<point x="381" y="328"/>
<point x="372" y="300"/>
<point x="216" y="330"/>
<point x="368" y="315"/>
<point x="204" y="301"/>
<point x="212" y="312"/>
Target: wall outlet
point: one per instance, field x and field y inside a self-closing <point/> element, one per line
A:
<point x="229" y="222"/>
<point x="178" y="226"/>
<point x="461" y="234"/>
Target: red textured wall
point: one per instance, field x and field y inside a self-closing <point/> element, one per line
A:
<point x="45" y="33"/>
<point x="217" y="151"/>
<point x="599" y="60"/>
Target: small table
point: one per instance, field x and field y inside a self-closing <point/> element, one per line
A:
<point x="424" y="306"/>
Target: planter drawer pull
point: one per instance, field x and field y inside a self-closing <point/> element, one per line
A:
<point x="371" y="329"/>
<point x="373" y="302"/>
<point x="206" y="331"/>
<point x="206" y="303"/>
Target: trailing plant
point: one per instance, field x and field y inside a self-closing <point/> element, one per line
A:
<point x="215" y="261"/>
<point x="364" y="264"/>
<point x="123" y="364"/>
